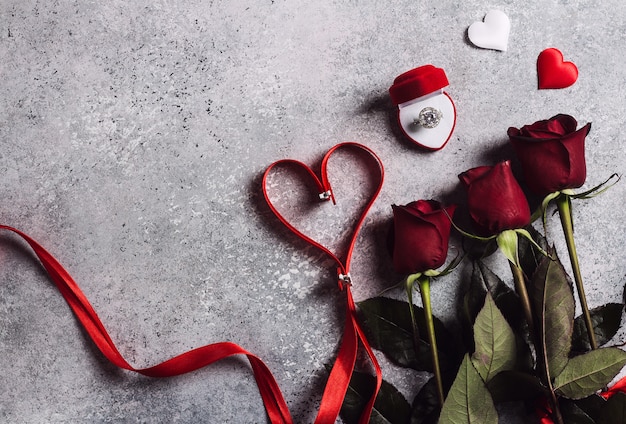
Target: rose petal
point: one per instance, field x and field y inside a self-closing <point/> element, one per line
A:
<point x="555" y="127"/>
<point x="424" y="206"/>
<point x="575" y="145"/>
<point x="421" y="234"/>
<point x="552" y="165"/>
<point x="568" y="122"/>
<point x="496" y="201"/>
<point x="471" y="175"/>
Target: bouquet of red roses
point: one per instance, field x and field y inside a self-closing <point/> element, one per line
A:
<point x="518" y="342"/>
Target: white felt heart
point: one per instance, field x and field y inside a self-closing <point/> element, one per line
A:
<point x="493" y="33"/>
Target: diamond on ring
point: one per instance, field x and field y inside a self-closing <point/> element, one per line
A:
<point x="429" y="117"/>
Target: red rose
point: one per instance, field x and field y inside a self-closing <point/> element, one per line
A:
<point x="552" y="153"/>
<point x="496" y="202"/>
<point x="421" y="235"/>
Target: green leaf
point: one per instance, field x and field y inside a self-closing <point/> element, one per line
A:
<point x="390" y="406"/>
<point x="593" y="406"/>
<point x="574" y="414"/>
<point x="606" y="321"/>
<point x="508" y="386"/>
<point x="529" y="256"/>
<point x="476" y="293"/>
<point x="599" y="189"/>
<point x="554" y="306"/>
<point x="587" y="373"/>
<point x="469" y="400"/>
<point x="472" y="301"/>
<point x="477" y="250"/>
<point x="494" y="340"/>
<point x="526" y="235"/>
<point x="506" y="299"/>
<point x="615" y="410"/>
<point x="387" y="324"/>
<point x="509" y="304"/>
<point x="425" y="408"/>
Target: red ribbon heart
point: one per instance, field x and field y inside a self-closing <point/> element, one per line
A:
<point x="553" y="72"/>
<point x="325" y="193"/>
<point x="339" y="378"/>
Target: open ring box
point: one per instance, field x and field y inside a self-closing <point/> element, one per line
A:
<point x="426" y="113"/>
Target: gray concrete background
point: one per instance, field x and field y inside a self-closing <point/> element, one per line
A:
<point x="133" y="136"/>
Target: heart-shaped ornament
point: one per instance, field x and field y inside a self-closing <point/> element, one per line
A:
<point x="288" y="194"/>
<point x="553" y="71"/>
<point x="492" y="33"/>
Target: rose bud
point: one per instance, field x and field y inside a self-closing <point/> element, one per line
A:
<point x="496" y="202"/>
<point x="421" y="235"/>
<point x="552" y="153"/>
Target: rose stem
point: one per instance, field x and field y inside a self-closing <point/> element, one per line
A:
<point x="410" y="281"/>
<point x="520" y="288"/>
<point x="565" y="213"/>
<point x="556" y="411"/>
<point x="540" y="346"/>
<point x="424" y="283"/>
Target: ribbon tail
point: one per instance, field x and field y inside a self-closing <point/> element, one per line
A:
<point x="274" y="402"/>
<point x="367" y="412"/>
<point x="77" y="301"/>
<point x="271" y="394"/>
<point x="339" y="379"/>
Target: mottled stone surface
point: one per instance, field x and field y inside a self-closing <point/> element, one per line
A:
<point x="133" y="138"/>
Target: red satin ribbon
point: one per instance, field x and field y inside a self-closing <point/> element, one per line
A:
<point x="544" y="410"/>
<point x="618" y="387"/>
<point x="339" y="378"/>
<point x="272" y="397"/>
<point x="275" y="405"/>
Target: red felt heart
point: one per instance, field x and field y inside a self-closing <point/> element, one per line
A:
<point x="553" y="72"/>
<point x="358" y="183"/>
